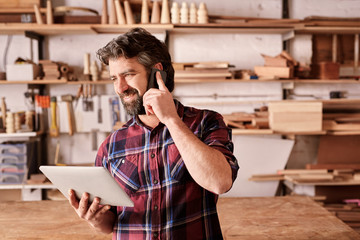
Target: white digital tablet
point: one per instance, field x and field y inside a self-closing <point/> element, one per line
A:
<point x="97" y="181"/>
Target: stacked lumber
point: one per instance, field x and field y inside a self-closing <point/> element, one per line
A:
<point x="291" y="116"/>
<point x="50" y="70"/>
<point x="202" y="71"/>
<point x="278" y="67"/>
<point x="346" y="123"/>
<point x="56" y="70"/>
<point x="348" y="212"/>
<point x="243" y="120"/>
<point x="341" y="118"/>
<point x="37" y="179"/>
<point x="311" y="176"/>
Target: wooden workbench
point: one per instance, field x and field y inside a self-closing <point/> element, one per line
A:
<point x="280" y="218"/>
<point x="241" y="218"/>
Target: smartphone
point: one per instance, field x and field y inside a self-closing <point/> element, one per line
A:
<point x="152" y="83"/>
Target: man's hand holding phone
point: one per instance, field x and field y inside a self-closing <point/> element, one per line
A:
<point x="160" y="101"/>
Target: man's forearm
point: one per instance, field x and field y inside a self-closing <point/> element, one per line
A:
<point x="206" y="165"/>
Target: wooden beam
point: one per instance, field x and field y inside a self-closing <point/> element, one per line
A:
<point x="334" y="48"/>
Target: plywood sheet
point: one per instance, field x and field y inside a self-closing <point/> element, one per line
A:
<point x="339" y="150"/>
<point x="258" y="155"/>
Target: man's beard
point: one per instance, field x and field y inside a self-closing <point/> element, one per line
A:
<point x="135" y="107"/>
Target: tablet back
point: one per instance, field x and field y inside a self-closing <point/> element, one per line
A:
<point x="97" y="181"/>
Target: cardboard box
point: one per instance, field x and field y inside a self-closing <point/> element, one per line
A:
<point x="21" y="72"/>
<point x="290" y="116"/>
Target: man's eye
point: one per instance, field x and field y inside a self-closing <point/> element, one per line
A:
<point x="113" y="78"/>
<point x="129" y="76"/>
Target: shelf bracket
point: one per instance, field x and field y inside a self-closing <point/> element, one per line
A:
<point x="40" y="40"/>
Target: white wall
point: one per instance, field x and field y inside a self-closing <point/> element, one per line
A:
<point x="241" y="50"/>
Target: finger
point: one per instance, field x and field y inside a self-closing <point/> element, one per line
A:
<point x="84" y="204"/>
<point x="94" y="207"/>
<point x="160" y="82"/>
<point x="104" y="209"/>
<point x="148" y="109"/>
<point x="73" y="199"/>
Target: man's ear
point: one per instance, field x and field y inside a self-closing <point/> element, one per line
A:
<point x="158" y="66"/>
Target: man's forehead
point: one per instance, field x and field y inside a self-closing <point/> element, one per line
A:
<point x="125" y="65"/>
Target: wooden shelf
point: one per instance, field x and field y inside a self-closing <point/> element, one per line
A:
<point x="329" y="30"/>
<point x="236" y="131"/>
<point x="59" y="29"/>
<point x="205" y="80"/>
<point x="263" y="27"/>
<point x="19" y="135"/>
<point x="55" y="81"/>
<point x="27" y="186"/>
<point x="100" y="82"/>
<point x="20" y="10"/>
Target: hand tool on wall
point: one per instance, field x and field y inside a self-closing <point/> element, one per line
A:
<point x="68" y="99"/>
<point x="99" y="110"/>
<point x="3" y="112"/>
<point x="54" y="130"/>
<point x="90" y="103"/>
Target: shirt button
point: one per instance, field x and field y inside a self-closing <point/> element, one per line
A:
<point x="155" y="181"/>
<point x="156" y="207"/>
<point x="155" y="235"/>
<point x="152" y="155"/>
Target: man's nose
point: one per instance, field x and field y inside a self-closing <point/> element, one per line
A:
<point x="121" y="85"/>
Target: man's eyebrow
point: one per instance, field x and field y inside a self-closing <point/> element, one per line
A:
<point x="124" y="72"/>
<point x="128" y="71"/>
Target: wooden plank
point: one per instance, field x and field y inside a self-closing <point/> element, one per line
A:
<point x="302" y="171"/>
<point x="339" y="149"/>
<point x="334" y="126"/>
<point x="202" y="75"/>
<point x="20" y="10"/>
<point x="332" y="166"/>
<point x="18" y="3"/>
<point x="273" y="72"/>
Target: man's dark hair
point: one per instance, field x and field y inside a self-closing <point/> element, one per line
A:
<point x="145" y="47"/>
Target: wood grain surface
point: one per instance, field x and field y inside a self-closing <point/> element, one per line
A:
<point x="240" y="218"/>
<point x="280" y="218"/>
<point x="43" y="220"/>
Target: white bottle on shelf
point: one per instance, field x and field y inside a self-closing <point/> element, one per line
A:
<point x="193" y="13"/>
<point x="175" y="13"/>
<point x="184" y="13"/>
<point x="202" y="14"/>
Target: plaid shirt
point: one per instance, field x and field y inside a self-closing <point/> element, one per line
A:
<point x="168" y="203"/>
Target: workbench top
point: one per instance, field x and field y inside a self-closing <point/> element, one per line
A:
<point x="290" y="218"/>
<point x="240" y="218"/>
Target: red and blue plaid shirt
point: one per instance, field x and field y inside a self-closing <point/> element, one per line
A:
<point x="168" y="203"/>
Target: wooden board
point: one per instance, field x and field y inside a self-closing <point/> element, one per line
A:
<point x="295" y="116"/>
<point x="43" y="220"/>
<point x="279" y="218"/>
<point x="273" y="72"/>
<point x="339" y="150"/>
<point x="240" y="218"/>
<point x="18" y="3"/>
